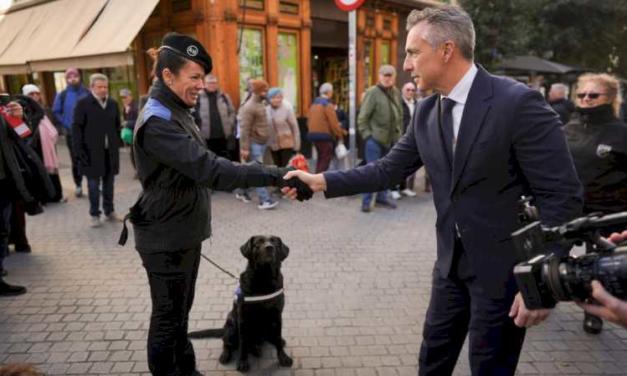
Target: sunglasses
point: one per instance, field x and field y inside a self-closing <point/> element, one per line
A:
<point x="589" y="95"/>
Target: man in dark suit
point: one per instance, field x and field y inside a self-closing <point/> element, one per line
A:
<point x="96" y="130"/>
<point x="485" y="141"/>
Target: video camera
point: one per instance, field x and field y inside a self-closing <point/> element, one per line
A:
<point x="545" y="278"/>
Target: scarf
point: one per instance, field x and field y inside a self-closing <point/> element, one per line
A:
<point x="48" y="135"/>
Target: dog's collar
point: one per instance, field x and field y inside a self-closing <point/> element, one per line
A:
<point x="256" y="298"/>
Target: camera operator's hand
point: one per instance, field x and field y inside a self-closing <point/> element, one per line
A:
<point x="15" y="110"/>
<point x="618" y="238"/>
<point x="525" y="318"/>
<point x="609" y="308"/>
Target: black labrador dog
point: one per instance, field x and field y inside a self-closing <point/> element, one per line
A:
<point x="256" y="316"/>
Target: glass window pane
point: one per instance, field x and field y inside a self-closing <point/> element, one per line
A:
<point x="288" y="7"/>
<point x="288" y="67"/>
<point x="385" y="53"/>
<point x="250" y="58"/>
<point x="252" y="4"/>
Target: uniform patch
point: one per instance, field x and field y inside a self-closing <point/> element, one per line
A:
<point x="603" y="150"/>
<point x="192" y="50"/>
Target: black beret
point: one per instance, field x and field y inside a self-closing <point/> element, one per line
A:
<point x="189" y="48"/>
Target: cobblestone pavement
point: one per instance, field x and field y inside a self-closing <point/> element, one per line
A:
<point x="357" y="287"/>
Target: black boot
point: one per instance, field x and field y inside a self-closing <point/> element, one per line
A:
<point x="23" y="248"/>
<point x="10" y="290"/>
<point x="592" y="324"/>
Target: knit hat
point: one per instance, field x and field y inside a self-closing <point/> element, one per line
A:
<point x="71" y="71"/>
<point x="125" y="93"/>
<point x="28" y="89"/>
<point x="325" y="88"/>
<point x="273" y="92"/>
<point x="259" y="86"/>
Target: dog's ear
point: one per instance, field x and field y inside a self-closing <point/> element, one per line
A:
<point x="247" y="247"/>
<point x="282" y="249"/>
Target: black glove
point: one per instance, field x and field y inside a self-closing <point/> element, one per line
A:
<point x="303" y="192"/>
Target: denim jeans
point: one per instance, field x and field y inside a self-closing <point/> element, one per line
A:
<point x="256" y="154"/>
<point x="93" y="184"/>
<point x="373" y="152"/>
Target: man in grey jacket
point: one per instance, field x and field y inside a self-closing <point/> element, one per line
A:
<point x="215" y="116"/>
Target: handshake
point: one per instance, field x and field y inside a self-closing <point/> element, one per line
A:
<point x="300" y="185"/>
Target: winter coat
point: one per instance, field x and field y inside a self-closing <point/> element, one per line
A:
<point x="177" y="171"/>
<point x="225" y="109"/>
<point x="598" y="143"/>
<point x="65" y="102"/>
<point x="253" y="126"/>
<point x="284" y="132"/>
<point x="381" y="117"/>
<point x="322" y="121"/>
<point x="96" y="132"/>
<point x="23" y="171"/>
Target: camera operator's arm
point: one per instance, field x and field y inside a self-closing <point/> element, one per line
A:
<point x="609" y="308"/>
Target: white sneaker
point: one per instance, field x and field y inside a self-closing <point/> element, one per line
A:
<point x="395" y="195"/>
<point x="408" y="192"/>
<point x="112" y="217"/>
<point x="268" y="205"/>
<point x="78" y="192"/>
<point x="95" y="222"/>
<point x="244" y="197"/>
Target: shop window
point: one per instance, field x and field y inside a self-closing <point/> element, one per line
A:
<point x="288" y="67"/>
<point x="370" y="20"/>
<point x="368" y="62"/>
<point x="252" y="4"/>
<point x="290" y="7"/>
<point x="251" y="52"/>
<point x="385" y="52"/>
<point x="387" y="24"/>
<point x="181" y="5"/>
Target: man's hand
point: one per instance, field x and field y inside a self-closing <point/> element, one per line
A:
<point x="316" y="182"/>
<point x="244" y="154"/>
<point x="618" y="238"/>
<point x="609" y="307"/>
<point x="525" y="318"/>
<point x="15" y="109"/>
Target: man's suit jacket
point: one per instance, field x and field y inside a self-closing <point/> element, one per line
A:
<point x="510" y="143"/>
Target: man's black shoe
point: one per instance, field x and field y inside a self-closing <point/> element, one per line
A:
<point x="23" y="248"/>
<point x="365" y="208"/>
<point x="10" y="290"/>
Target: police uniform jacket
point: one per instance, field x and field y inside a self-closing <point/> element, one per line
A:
<point x="597" y="140"/>
<point x="176" y="172"/>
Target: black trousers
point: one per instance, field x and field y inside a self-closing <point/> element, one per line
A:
<point x="5" y="223"/>
<point x="282" y="157"/>
<point x="460" y="306"/>
<point x="18" y="225"/>
<point x="78" y="178"/>
<point x="218" y="146"/>
<point x="172" y="279"/>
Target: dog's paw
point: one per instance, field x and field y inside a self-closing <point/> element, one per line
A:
<point x="243" y="365"/>
<point x="225" y="357"/>
<point x="284" y="359"/>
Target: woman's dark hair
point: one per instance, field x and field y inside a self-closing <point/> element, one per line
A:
<point x="164" y="58"/>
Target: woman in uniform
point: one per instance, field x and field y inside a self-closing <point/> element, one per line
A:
<point x="172" y="216"/>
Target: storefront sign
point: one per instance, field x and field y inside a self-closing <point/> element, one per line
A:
<point x="348" y="5"/>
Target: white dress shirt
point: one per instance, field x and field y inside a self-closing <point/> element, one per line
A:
<point x="460" y="95"/>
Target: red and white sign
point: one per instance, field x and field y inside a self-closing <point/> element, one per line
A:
<point x="348" y="5"/>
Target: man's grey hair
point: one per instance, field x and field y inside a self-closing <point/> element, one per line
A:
<point x="446" y="22"/>
<point x="325" y="88"/>
<point x="211" y="77"/>
<point x="97" y="77"/>
<point x="560" y="87"/>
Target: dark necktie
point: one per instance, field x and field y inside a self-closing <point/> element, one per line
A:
<point x="447" y="126"/>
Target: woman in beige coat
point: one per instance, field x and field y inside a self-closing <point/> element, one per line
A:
<point x="284" y="134"/>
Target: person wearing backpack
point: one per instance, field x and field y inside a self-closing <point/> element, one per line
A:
<point x="63" y="109"/>
<point x="379" y="122"/>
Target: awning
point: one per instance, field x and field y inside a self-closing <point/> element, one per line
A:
<point x="537" y="65"/>
<point x="71" y="33"/>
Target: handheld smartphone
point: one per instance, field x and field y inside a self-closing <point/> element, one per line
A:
<point x="4" y="99"/>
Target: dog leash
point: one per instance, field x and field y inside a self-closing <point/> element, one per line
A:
<point x="219" y="267"/>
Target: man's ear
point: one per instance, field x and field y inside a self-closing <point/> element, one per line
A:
<point x="284" y="251"/>
<point x="247" y="248"/>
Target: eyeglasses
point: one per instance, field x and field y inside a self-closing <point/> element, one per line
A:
<point x="388" y="75"/>
<point x="410" y="89"/>
<point x="589" y="95"/>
